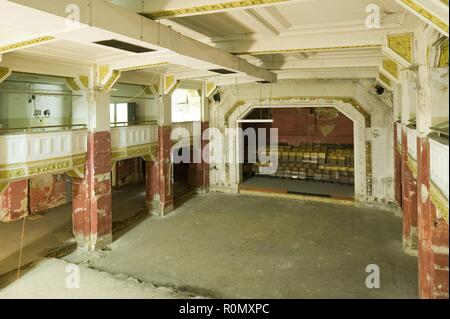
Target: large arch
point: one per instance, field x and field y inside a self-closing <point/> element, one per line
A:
<point x="348" y="106"/>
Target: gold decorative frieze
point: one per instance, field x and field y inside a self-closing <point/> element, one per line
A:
<point x="439" y="201"/>
<point x="209" y="8"/>
<point x="72" y="84"/>
<point x="384" y="79"/>
<point x="414" y="6"/>
<point x="391" y="67"/>
<point x="170" y="84"/>
<point x="445" y="2"/>
<point x="112" y="80"/>
<point x="233" y="109"/>
<point x="144" y="67"/>
<point x="132" y="151"/>
<point x="4" y="73"/>
<point x="323" y="49"/>
<point x="402" y="44"/>
<point x="443" y="55"/>
<point x="25" y="170"/>
<point x="103" y="71"/>
<point x="84" y="79"/>
<point x="210" y="87"/>
<point x="23" y="44"/>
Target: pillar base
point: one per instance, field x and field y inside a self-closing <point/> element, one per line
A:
<point x="93" y="244"/>
<point x="155" y="208"/>
<point x="201" y="190"/>
<point x="410" y="243"/>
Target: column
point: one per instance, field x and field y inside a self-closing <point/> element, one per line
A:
<point x="199" y="169"/>
<point x="433" y="229"/>
<point x="409" y="201"/>
<point x="92" y="212"/>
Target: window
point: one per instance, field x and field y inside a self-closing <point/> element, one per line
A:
<point x="118" y="113"/>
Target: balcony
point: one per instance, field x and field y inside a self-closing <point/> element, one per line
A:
<point x="139" y="139"/>
<point x="28" y="152"/>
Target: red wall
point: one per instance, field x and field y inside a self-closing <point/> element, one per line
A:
<point x="312" y="125"/>
<point x="47" y="192"/>
<point x="129" y="171"/>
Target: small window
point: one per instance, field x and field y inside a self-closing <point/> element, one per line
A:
<point x="119" y="113"/>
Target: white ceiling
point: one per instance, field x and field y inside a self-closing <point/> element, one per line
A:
<point x="324" y="37"/>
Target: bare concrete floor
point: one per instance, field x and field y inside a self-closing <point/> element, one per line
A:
<point x="48" y="231"/>
<point x="228" y="246"/>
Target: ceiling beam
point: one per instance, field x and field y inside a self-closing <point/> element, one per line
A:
<point x="158" y="9"/>
<point x="432" y="12"/>
<point x="101" y="20"/>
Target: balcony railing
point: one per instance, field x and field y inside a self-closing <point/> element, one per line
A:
<point x="439" y="165"/>
<point x="26" y="152"/>
<point x="130" y="140"/>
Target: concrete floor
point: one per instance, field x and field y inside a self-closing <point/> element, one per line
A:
<point x="232" y="246"/>
<point x="48" y="231"/>
<point x="229" y="246"/>
<point x="299" y="187"/>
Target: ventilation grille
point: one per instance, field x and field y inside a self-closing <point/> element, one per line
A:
<point x="116" y="44"/>
<point x="223" y="71"/>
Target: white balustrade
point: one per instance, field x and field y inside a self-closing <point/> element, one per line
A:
<point x="35" y="147"/>
<point x="412" y="142"/>
<point x="129" y="136"/>
<point x="439" y="165"/>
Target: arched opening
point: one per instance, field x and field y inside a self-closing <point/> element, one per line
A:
<point x="361" y="147"/>
<point x="315" y="152"/>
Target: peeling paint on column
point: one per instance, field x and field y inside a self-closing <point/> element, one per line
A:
<point x="92" y="211"/>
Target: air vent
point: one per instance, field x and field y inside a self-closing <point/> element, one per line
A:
<point x="124" y="46"/>
<point x="222" y="71"/>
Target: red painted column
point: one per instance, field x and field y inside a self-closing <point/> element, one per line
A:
<point x="13" y="201"/>
<point x="152" y="185"/>
<point x="397" y="169"/>
<point x="424" y="221"/>
<point x="199" y="172"/>
<point x="433" y="234"/>
<point x="92" y="213"/>
<point x="165" y="171"/>
<point x="409" y="201"/>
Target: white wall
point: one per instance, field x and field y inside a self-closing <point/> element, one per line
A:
<point x="17" y="111"/>
<point x="381" y="133"/>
